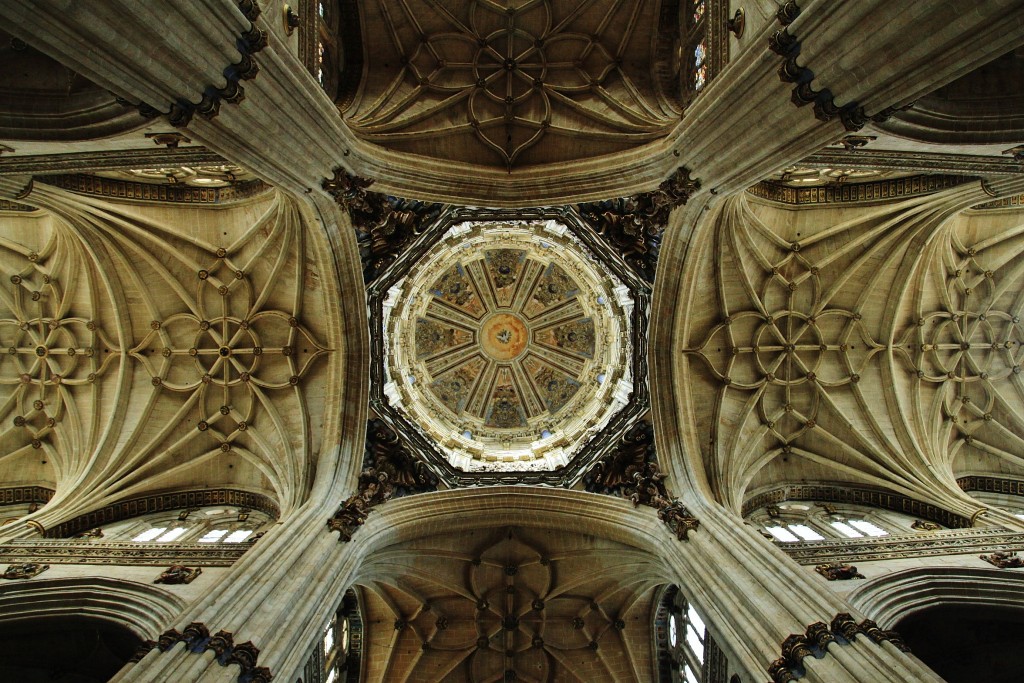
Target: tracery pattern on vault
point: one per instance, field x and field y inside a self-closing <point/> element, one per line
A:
<point x="507" y="344"/>
<point x="218" y="317"/>
<point x="457" y="79"/>
<point x="517" y="605"/>
<point x="846" y="352"/>
<point x="964" y="343"/>
<point x="57" y="354"/>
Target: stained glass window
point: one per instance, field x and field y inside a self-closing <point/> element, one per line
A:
<point x="695" y="43"/>
<point x="699" y="53"/>
<point x="698" y="11"/>
<point x="700" y="77"/>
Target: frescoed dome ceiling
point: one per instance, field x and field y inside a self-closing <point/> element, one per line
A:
<point x="507" y="343"/>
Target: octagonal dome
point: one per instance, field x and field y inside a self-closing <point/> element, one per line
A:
<point x="509" y="345"/>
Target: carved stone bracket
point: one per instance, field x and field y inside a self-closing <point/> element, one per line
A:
<point x="814" y="642"/>
<point x="385" y="226"/>
<point x="390" y="470"/>
<point x="248" y="43"/>
<point x="837" y="571"/>
<point x="1002" y="559"/>
<point x="198" y="640"/>
<point x="631" y="471"/>
<point x="634" y="225"/>
<point x="787" y="46"/>
<point x="24" y="571"/>
<point x="178" y="574"/>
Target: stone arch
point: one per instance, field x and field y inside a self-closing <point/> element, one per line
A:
<point x="144" y="609"/>
<point x="892" y="597"/>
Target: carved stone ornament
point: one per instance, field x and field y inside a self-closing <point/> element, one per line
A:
<point x="836" y="571"/>
<point x="630" y="471"/>
<point x="198" y="640"/>
<point x="179" y="574"/>
<point x="385" y="226"/>
<point x="1004" y="559"/>
<point x="24" y="571"/>
<point x="389" y="470"/>
<point x="635" y="225"/>
<point x="385" y="453"/>
<point x="633" y="454"/>
<point x="816" y="640"/>
<point x="925" y="525"/>
<point x="91" y="533"/>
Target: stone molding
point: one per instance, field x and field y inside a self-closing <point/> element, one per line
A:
<point x="163" y="502"/>
<point x="124" y="553"/>
<point x="931" y="162"/>
<point x="125" y="189"/>
<point x="161" y="157"/>
<point x="930" y="544"/>
<point x="844" y="193"/>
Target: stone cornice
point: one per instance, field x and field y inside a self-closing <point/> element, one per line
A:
<point x="931" y="162"/>
<point x="115" y="160"/>
<point x="123" y="553"/>
<point x="925" y="544"/>
<point x="151" y="192"/>
<point x="844" y="193"/>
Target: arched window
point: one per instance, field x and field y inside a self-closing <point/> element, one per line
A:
<point x="682" y="639"/>
<point x="796" y="521"/>
<point x="218" y="524"/>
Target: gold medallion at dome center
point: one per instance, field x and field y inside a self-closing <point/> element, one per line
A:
<point x="503" y="337"/>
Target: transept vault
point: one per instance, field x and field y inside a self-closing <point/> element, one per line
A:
<point x="511" y="340"/>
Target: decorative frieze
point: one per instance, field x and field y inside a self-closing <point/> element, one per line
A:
<point x="841" y="193"/>
<point x="152" y="192"/>
<point x="902" y="160"/>
<point x="19" y="495"/>
<point x="815" y="641"/>
<point x="198" y="640"/>
<point x="844" y="493"/>
<point x="40" y="164"/>
<point x="122" y="553"/>
<point x="936" y="543"/>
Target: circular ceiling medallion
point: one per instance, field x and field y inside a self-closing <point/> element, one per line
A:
<point x="509" y="344"/>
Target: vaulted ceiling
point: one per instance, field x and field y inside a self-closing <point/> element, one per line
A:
<point x="511" y="84"/>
